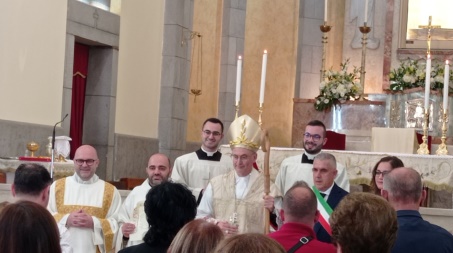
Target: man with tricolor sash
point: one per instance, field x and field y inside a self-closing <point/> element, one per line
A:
<point x="328" y="193"/>
<point x="86" y="205"/>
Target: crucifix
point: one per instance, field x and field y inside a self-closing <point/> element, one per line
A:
<point x="429" y="27"/>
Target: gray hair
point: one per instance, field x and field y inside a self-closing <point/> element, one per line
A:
<point x="404" y="184"/>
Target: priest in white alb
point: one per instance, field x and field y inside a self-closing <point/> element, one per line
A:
<point x="86" y="205"/>
<point x="235" y="201"/>
<point x="196" y="169"/>
<point x="299" y="167"/>
<point x="132" y="217"/>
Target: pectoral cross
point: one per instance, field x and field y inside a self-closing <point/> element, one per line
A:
<point x="429" y="27"/>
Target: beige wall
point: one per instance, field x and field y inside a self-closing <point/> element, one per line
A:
<point x="32" y="51"/>
<point x="271" y="25"/>
<point x="207" y="21"/>
<point x="139" y="68"/>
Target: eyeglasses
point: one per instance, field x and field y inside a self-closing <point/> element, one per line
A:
<point x="89" y="162"/>
<point x="215" y="133"/>
<point x="315" y="137"/>
<point x="383" y="173"/>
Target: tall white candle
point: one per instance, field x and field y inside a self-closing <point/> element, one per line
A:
<point x="446" y="84"/>
<point x="366" y="11"/>
<point x="238" y="80"/>
<point x="263" y="77"/>
<point x="325" y="10"/>
<point x="427" y="81"/>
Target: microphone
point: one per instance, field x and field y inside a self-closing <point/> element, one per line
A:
<point x="53" y="145"/>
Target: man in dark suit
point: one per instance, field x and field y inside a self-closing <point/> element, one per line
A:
<point x="324" y="173"/>
<point x="403" y="189"/>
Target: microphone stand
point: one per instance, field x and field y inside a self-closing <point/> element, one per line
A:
<point x="53" y="146"/>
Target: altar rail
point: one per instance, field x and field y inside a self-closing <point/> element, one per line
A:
<point x="436" y="171"/>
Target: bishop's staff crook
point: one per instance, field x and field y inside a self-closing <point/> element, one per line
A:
<point x="266" y="147"/>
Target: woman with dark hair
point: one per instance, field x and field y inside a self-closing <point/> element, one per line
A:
<point x="28" y="227"/>
<point x="384" y="166"/>
<point x="196" y="236"/>
<point x="168" y="207"/>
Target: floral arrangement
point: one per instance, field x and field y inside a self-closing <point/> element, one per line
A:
<point x="338" y="87"/>
<point x="411" y="74"/>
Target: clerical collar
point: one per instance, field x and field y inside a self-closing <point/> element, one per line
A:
<point x="79" y="180"/>
<point x="208" y="153"/>
<point x="211" y="156"/>
<point x="308" y="158"/>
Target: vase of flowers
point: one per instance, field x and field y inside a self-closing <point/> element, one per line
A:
<point x="411" y="74"/>
<point x="338" y="87"/>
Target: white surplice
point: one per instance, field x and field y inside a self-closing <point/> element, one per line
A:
<point x="196" y="173"/>
<point x="93" y="196"/>
<point x="126" y="215"/>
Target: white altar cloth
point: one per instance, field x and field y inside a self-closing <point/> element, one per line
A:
<point x="61" y="169"/>
<point x="436" y="171"/>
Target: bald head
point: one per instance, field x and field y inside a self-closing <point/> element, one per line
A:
<point x="403" y="186"/>
<point x="300" y="204"/>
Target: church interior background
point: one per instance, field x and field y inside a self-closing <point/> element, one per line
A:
<point x="157" y="69"/>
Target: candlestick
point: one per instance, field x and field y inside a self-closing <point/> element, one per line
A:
<point x="423" y="148"/>
<point x="260" y="112"/>
<point x="442" y="149"/>
<point x="238" y="80"/>
<point x="427" y="81"/>
<point x="324" y="29"/>
<point x="263" y="77"/>
<point x="366" y="11"/>
<point x="364" y="30"/>
<point x="446" y="84"/>
<point x="325" y="11"/>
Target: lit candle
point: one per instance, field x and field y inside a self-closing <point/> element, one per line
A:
<point x="263" y="77"/>
<point x="446" y="84"/>
<point x="427" y="81"/>
<point x="325" y="11"/>
<point x="366" y="11"/>
<point x="238" y="80"/>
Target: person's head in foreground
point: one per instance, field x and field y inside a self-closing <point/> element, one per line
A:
<point x="249" y="243"/>
<point x="196" y="236"/>
<point x="364" y="222"/>
<point x="168" y="207"/>
<point x="28" y="227"/>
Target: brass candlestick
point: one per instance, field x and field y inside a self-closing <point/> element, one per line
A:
<point x="423" y="148"/>
<point x="364" y="30"/>
<point x="324" y="29"/>
<point x="260" y="110"/>
<point x="237" y="110"/>
<point x="442" y="149"/>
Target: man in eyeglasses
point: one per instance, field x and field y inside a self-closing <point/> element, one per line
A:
<point x="86" y="205"/>
<point x="299" y="167"/>
<point x="196" y="169"/>
<point x="158" y="171"/>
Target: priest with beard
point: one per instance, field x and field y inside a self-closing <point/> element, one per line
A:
<point x="299" y="167"/>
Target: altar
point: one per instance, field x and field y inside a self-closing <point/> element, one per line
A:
<point x="61" y="169"/>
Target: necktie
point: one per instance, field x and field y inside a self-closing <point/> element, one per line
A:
<point x="322" y="194"/>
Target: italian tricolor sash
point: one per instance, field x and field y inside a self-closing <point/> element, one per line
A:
<point x="324" y="209"/>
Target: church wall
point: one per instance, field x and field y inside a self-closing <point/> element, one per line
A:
<point x="139" y="68"/>
<point x="374" y="57"/>
<point x="32" y="47"/>
<point x="207" y="20"/>
<point x="271" y="25"/>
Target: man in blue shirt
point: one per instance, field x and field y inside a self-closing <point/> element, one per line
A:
<point x="403" y="189"/>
